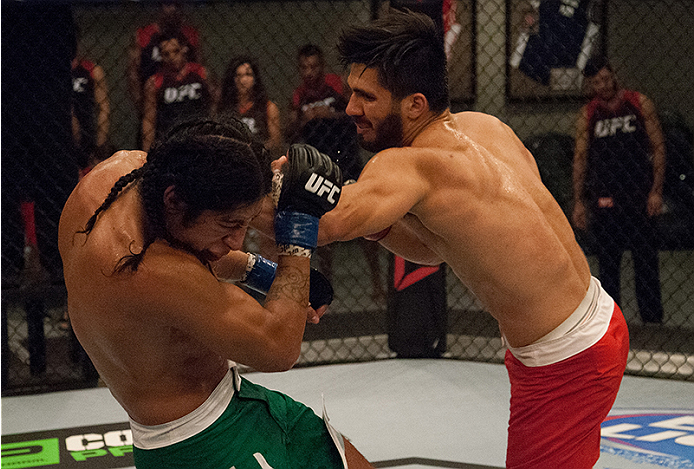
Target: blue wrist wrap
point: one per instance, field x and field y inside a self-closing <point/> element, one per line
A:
<point x="296" y="228"/>
<point x="261" y="275"/>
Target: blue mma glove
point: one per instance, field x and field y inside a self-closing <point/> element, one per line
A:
<point x="260" y="273"/>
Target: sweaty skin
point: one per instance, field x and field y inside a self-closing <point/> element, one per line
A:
<point x="160" y="337"/>
<point x="465" y="191"/>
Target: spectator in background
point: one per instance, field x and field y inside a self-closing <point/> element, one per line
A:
<point x="144" y="56"/>
<point x="317" y="117"/>
<point x="90" y="111"/>
<point x="179" y="91"/>
<point x="243" y="94"/>
<point x="38" y="165"/>
<point x="451" y="27"/>
<point x="619" y="168"/>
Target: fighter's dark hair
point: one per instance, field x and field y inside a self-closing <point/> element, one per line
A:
<point x="310" y="50"/>
<point x="407" y="50"/>
<point x="168" y="33"/>
<point x="212" y="164"/>
<point x="229" y="99"/>
<point x="595" y="64"/>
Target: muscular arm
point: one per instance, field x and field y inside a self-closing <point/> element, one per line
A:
<point x="579" y="170"/>
<point x="226" y="319"/>
<point x="388" y="188"/>
<point x="655" y="136"/>
<point x="403" y="242"/>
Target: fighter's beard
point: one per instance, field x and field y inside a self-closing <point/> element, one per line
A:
<point x="389" y="134"/>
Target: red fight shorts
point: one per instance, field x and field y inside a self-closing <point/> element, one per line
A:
<point x="557" y="409"/>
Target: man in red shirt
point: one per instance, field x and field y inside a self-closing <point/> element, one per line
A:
<point x="179" y="91"/>
<point x="317" y="117"/>
<point x="144" y="53"/>
<point x="618" y="174"/>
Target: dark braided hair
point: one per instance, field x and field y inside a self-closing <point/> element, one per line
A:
<point x="212" y="164"/>
<point x="112" y="196"/>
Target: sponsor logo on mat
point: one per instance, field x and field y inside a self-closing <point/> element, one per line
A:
<point x="94" y="447"/>
<point x="660" y="438"/>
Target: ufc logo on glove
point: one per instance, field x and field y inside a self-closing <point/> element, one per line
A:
<point x="309" y="186"/>
<point x="319" y="185"/>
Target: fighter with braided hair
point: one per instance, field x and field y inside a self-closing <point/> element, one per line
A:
<point x="151" y="249"/>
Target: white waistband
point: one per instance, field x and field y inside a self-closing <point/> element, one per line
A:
<point x="158" y="436"/>
<point x="580" y="331"/>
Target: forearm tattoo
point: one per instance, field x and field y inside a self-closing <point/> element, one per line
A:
<point x="291" y="283"/>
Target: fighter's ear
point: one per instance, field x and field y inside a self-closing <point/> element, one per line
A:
<point x="415" y="105"/>
<point x="171" y="200"/>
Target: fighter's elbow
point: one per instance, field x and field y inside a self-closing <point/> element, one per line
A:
<point x="283" y="360"/>
<point x="332" y="230"/>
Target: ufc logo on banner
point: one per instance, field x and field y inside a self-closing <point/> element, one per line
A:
<point x="319" y="185"/>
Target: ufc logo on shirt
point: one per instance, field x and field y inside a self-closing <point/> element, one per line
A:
<point x="183" y="92"/>
<point x="319" y="185"/>
<point x="568" y="7"/>
<point x="609" y="127"/>
<point x="78" y="84"/>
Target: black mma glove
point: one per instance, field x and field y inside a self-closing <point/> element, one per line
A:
<point x="309" y="186"/>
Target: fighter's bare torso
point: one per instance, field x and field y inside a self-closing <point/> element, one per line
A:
<point x="480" y="205"/>
<point x="154" y="369"/>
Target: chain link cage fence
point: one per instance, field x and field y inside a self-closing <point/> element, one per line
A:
<point x="520" y="60"/>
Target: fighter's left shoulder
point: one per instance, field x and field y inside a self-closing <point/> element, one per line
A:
<point x="401" y="156"/>
<point x="476" y="118"/>
<point x="481" y="126"/>
<point x="397" y="164"/>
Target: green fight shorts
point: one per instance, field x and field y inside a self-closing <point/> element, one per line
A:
<point x="260" y="429"/>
